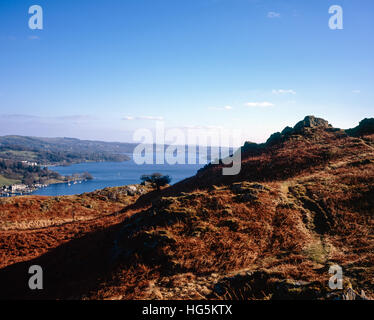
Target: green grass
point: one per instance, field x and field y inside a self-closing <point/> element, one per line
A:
<point x="6" y="182"/>
<point x="317" y="252"/>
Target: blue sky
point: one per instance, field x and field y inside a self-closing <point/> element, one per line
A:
<point x="100" y="69"/>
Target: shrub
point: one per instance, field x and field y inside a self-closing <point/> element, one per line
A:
<point x="156" y="179"/>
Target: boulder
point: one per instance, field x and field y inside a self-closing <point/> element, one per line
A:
<point x="311" y="122"/>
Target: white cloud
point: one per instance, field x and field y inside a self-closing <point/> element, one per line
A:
<point x="222" y="108"/>
<point x="273" y="14"/>
<point x="263" y="104"/>
<point x="282" y="91"/>
<point x="143" y="118"/>
<point x="33" y="37"/>
<point x="356" y="91"/>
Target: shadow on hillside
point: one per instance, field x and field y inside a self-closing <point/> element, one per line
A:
<point x="69" y="271"/>
<point x="77" y="267"/>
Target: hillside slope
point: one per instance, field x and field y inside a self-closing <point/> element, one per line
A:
<point x="302" y="202"/>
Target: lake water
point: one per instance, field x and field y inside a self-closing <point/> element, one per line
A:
<point x="113" y="174"/>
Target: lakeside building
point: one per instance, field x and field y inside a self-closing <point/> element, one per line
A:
<point x="31" y="164"/>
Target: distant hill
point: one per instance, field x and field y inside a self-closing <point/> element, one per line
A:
<point x="61" y="150"/>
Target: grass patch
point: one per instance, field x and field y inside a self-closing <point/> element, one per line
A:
<point x="317" y="252"/>
<point x="27" y="155"/>
<point x="7" y="182"/>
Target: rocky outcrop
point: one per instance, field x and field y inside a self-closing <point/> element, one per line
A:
<point x="308" y="125"/>
<point x="365" y="127"/>
<point x="119" y="193"/>
<point x="310" y="122"/>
